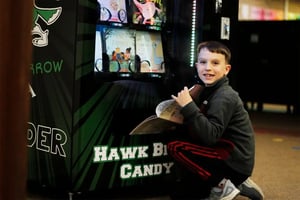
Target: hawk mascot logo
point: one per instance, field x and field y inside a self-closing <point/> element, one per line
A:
<point x="49" y="16"/>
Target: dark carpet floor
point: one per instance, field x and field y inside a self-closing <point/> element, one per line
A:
<point x="277" y="168"/>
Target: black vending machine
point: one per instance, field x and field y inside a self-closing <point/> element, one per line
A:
<point x="100" y="67"/>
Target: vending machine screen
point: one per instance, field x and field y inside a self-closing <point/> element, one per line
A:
<point x="148" y="14"/>
<point x="150" y="51"/>
<point x="125" y="50"/>
<point x="112" y="11"/>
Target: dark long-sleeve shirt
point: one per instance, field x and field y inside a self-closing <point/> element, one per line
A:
<point x="218" y="113"/>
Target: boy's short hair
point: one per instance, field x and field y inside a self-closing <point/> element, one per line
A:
<point x="216" y="47"/>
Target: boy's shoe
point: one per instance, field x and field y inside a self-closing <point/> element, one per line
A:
<point x="251" y="190"/>
<point x="224" y="191"/>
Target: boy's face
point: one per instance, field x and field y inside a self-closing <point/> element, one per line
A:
<point x="211" y="66"/>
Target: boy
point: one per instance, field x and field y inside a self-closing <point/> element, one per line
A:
<point x="221" y="148"/>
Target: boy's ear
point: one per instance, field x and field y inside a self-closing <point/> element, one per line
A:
<point x="228" y="68"/>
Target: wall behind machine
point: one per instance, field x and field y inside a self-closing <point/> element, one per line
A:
<point x="269" y="62"/>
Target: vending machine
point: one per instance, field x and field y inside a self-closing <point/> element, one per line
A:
<point x="100" y="68"/>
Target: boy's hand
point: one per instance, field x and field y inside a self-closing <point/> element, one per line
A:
<point x="183" y="97"/>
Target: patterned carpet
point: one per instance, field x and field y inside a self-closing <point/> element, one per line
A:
<point x="277" y="168"/>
